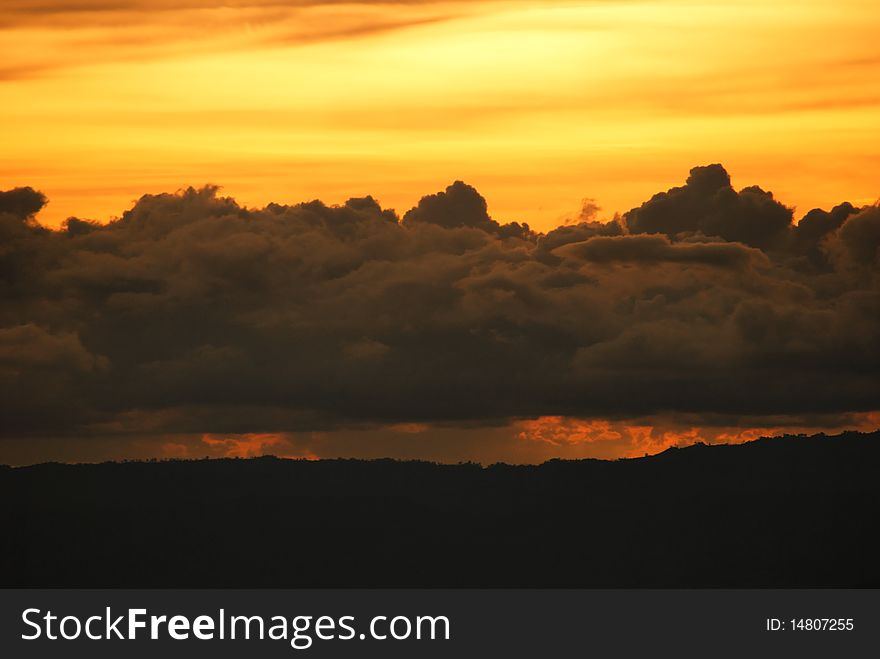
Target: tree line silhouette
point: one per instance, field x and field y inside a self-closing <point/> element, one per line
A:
<point x="793" y="511"/>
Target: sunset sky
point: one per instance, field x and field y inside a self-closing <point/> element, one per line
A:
<point x="198" y="307"/>
<point x="538" y="104"/>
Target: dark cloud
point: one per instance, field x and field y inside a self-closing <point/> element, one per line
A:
<point x="807" y="238"/>
<point x="655" y="248"/>
<point x="460" y="205"/>
<point x="574" y="233"/>
<point x="707" y="204"/>
<point x="21" y="202"/>
<point x="193" y="314"/>
<point x="859" y="239"/>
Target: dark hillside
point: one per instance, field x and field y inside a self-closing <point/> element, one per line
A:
<point x="791" y="511"/>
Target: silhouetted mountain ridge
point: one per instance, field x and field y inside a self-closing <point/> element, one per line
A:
<point x="791" y="511"/>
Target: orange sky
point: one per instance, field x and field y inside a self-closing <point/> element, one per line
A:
<point x="537" y="104"/>
<point x="527" y="441"/>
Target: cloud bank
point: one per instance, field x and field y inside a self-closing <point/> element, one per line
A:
<point x="193" y="314"/>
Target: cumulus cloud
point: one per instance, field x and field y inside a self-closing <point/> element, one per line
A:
<point x="859" y="239"/>
<point x="653" y="248"/>
<point x="709" y="205"/>
<point x="460" y="205"/>
<point x="21" y="202"/>
<point x="193" y="314"/>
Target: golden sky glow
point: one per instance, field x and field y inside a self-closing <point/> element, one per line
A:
<point x="538" y="105"/>
<point x="528" y="441"/>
